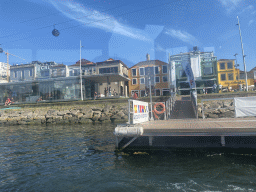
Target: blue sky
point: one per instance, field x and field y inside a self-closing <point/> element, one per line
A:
<point x="126" y="30"/>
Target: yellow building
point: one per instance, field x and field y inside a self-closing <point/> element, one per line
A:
<point x="229" y="76"/>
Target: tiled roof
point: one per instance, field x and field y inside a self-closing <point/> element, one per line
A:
<point x="150" y="62"/>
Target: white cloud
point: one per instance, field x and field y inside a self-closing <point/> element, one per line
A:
<point x="230" y="5"/>
<point x="246" y="9"/>
<point x="250" y="22"/>
<point x="253" y="12"/>
<point x="183" y="36"/>
<point x="95" y="19"/>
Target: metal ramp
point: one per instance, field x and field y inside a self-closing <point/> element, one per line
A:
<point x="183" y="109"/>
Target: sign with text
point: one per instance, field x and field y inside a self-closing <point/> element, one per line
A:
<point x="140" y="111"/>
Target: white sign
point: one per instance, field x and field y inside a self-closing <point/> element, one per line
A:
<point x="140" y="111"/>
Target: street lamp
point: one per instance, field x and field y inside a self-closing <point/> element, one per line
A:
<point x="81" y="82"/>
<point x="243" y="55"/>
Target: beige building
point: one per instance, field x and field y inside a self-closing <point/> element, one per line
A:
<point x="114" y="77"/>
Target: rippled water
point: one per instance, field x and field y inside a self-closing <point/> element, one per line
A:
<point x="83" y="158"/>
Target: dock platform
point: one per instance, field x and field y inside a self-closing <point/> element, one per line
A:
<point x="223" y="132"/>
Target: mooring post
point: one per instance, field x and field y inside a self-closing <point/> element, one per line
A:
<point x="222" y="138"/>
<point x="150" y="139"/>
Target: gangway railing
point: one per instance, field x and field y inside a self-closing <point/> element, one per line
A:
<point x="193" y="98"/>
<point x="170" y="104"/>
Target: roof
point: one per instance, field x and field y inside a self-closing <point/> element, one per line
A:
<point x="226" y="60"/>
<point x="150" y="62"/>
<point x="111" y="61"/>
<point x="83" y="63"/>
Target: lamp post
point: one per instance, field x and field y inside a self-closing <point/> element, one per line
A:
<point x="150" y="95"/>
<point x="243" y="55"/>
<point x="81" y="82"/>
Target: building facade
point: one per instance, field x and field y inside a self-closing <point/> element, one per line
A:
<point x="28" y="85"/>
<point x="230" y="78"/>
<point x="204" y="67"/>
<point x="148" y="73"/>
<point x="114" y="75"/>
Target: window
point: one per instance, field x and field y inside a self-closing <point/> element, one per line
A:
<point x="230" y="76"/>
<point x="134" y="72"/>
<point x="142" y="71"/>
<point x="107" y="70"/>
<point x="157" y="79"/>
<point x="30" y="72"/>
<point x="156" y="70"/>
<point x="15" y="74"/>
<point x="222" y="66"/>
<point x="134" y="81"/>
<point x="22" y="74"/>
<point x="165" y="79"/>
<point x="254" y="75"/>
<point x="208" y="71"/>
<point x="142" y="80"/>
<point x="182" y="73"/>
<point x="230" y="65"/>
<point x="223" y="77"/>
<point x="164" y="69"/>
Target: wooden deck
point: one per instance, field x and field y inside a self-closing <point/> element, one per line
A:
<point x="228" y="132"/>
<point x="200" y="127"/>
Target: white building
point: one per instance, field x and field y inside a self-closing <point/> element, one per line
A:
<point x="4" y="72"/>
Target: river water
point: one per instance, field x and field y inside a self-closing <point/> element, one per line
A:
<point x="83" y="158"/>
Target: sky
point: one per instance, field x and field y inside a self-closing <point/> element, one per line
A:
<point x="126" y="30"/>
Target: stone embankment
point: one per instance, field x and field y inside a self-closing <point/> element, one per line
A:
<point x="216" y="109"/>
<point x="65" y="115"/>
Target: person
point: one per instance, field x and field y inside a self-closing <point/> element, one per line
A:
<point x="214" y="88"/>
<point x="109" y="91"/>
<point x="39" y="99"/>
<point x="7" y="102"/>
<point x="135" y="96"/>
<point x="203" y="90"/>
<point x="114" y="92"/>
<point x="95" y="95"/>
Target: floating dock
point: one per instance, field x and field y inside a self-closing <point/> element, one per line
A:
<point x="188" y="133"/>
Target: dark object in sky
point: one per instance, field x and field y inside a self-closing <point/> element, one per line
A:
<point x="55" y="32"/>
<point x="1" y="50"/>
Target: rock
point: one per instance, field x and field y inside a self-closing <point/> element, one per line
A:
<point x="212" y="115"/>
<point x="227" y="103"/>
<point x="96" y="109"/>
<point x="96" y="116"/>
<point x="74" y="112"/>
<point x="52" y="112"/>
<point x="88" y="114"/>
<point x="227" y="114"/>
<point x="106" y="109"/>
<point x="62" y="113"/>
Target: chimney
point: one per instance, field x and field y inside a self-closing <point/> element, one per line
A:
<point x="148" y="57"/>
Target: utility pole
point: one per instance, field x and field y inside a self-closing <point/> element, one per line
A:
<point x="236" y="66"/>
<point x="243" y="55"/>
<point x="81" y="82"/>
